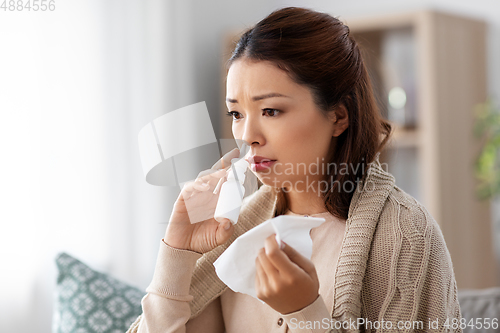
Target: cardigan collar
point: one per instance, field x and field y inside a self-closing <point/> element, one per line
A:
<point x="364" y="211"/>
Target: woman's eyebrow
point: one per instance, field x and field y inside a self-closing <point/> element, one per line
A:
<point x="260" y="97"/>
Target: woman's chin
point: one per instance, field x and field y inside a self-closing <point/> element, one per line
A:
<point x="271" y="181"/>
<point x="266" y="179"/>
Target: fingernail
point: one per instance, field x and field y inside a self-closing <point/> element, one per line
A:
<point x="228" y="225"/>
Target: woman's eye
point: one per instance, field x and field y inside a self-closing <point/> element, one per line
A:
<point x="268" y="112"/>
<point x="271" y="112"/>
<point x="234" y="114"/>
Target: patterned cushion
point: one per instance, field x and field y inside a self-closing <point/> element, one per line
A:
<point x="87" y="301"/>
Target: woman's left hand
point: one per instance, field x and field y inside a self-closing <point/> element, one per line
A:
<point x="285" y="280"/>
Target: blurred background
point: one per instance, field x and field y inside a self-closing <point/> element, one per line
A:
<point x="77" y="83"/>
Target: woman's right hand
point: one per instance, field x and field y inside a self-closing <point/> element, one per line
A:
<point x="197" y="203"/>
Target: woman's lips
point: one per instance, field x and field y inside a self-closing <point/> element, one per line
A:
<point x="261" y="166"/>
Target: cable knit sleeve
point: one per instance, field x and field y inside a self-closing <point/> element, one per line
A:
<point x="418" y="284"/>
<point x="438" y="289"/>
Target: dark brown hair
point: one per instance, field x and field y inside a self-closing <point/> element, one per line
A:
<point x="316" y="50"/>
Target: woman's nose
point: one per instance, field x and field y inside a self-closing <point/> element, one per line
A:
<point x="252" y="132"/>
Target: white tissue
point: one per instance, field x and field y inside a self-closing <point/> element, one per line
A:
<point x="236" y="266"/>
<point x="232" y="192"/>
<point x="230" y="201"/>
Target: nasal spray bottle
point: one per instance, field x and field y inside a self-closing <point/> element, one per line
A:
<point x="233" y="191"/>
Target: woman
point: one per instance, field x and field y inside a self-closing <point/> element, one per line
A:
<point x="300" y="95"/>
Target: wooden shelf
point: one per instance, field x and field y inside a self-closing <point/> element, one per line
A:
<point x="450" y="81"/>
<point x="404" y="138"/>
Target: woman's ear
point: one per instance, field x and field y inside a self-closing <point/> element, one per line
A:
<point x="340" y="120"/>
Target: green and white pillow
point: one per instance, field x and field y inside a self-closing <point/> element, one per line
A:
<point x="87" y="301"/>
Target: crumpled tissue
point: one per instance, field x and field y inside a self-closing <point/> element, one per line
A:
<point x="236" y="266"/>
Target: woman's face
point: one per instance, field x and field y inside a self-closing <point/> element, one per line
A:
<point x="279" y="120"/>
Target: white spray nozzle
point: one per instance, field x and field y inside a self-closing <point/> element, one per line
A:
<point x="238" y="169"/>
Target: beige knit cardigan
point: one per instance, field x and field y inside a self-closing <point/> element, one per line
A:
<point x="393" y="266"/>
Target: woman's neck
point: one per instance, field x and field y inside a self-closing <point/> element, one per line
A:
<point x="305" y="203"/>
